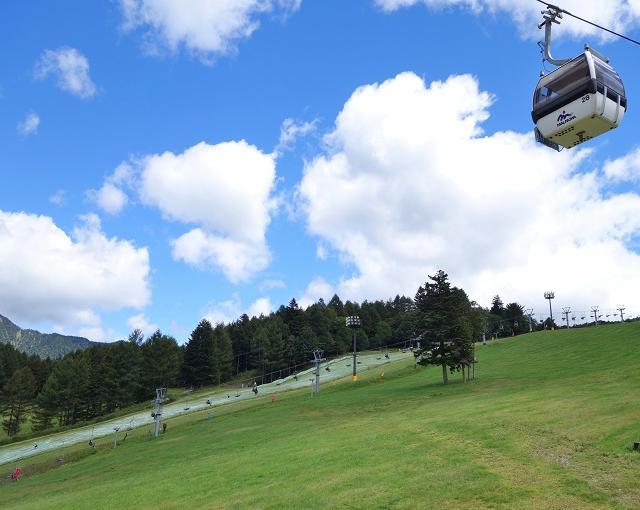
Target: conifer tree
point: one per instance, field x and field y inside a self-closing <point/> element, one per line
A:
<point x="445" y="326"/>
<point x="198" y="355"/>
<point x="16" y="398"/>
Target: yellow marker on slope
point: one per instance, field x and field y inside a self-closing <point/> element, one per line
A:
<point x="354" y="378"/>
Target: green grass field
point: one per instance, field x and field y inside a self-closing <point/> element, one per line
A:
<point x="548" y="423"/>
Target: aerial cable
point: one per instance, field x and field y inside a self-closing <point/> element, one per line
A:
<point x="559" y="9"/>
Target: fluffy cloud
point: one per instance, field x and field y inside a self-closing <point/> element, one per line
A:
<point x="410" y="184"/>
<point x="203" y="27"/>
<point x="110" y="197"/>
<point x="239" y="260"/>
<point x="229" y="311"/>
<point x="141" y="322"/>
<point x="71" y="70"/>
<point x="225" y="190"/>
<point x="29" y="125"/>
<point x="49" y="275"/>
<point x="618" y="15"/>
<point x="626" y="168"/>
<point x="318" y="288"/>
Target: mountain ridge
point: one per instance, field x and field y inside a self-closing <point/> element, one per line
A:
<point x="44" y="345"/>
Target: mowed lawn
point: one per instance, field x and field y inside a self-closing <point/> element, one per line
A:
<point x="548" y="423"/>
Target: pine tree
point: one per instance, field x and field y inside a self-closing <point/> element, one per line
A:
<point x="444" y="324"/>
<point x="161" y="361"/>
<point x="16" y="399"/>
<point x="222" y="355"/>
<point x="198" y="369"/>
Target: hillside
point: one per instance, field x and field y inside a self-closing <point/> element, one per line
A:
<point x="548" y="423"/>
<point x="45" y="345"/>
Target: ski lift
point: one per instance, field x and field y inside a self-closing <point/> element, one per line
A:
<point x="580" y="100"/>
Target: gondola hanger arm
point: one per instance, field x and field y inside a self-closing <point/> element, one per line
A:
<point x="551" y="15"/>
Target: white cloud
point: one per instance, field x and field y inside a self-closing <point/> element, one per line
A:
<point x="70" y="68"/>
<point x="238" y="260"/>
<point x="49" y="275"/>
<point x="321" y="252"/>
<point x="261" y="306"/>
<point x="28" y="126"/>
<point x="141" y="322"/>
<point x="229" y="311"/>
<point x="318" y="288"/>
<point x="110" y="197"/>
<point x="626" y="168"/>
<point x="291" y="130"/>
<point x="204" y="27"/>
<point x="97" y="334"/>
<point x="58" y="197"/>
<point x="618" y="15"/>
<point x="225" y="190"/>
<point x="409" y="184"/>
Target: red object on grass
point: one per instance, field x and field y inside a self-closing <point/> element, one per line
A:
<point x="273" y="398"/>
<point x="16" y="474"/>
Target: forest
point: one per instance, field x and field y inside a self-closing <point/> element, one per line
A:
<point x="99" y="380"/>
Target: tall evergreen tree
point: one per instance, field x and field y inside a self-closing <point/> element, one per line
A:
<point x="497" y="307"/>
<point x="161" y="361"/>
<point x="222" y="355"/>
<point x="444" y="324"/>
<point x="337" y="305"/>
<point x="514" y="314"/>
<point x="16" y="398"/>
<point x="198" y="355"/>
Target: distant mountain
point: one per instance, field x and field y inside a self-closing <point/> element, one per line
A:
<point x="51" y="345"/>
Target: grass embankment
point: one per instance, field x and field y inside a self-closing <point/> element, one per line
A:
<point x="547" y="423"/>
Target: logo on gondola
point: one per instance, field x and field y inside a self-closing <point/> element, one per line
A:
<point x="565" y="117"/>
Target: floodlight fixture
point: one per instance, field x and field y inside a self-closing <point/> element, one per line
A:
<point x="353" y="322"/>
<point x="550" y="295"/>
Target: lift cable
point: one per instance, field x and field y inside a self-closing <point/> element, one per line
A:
<point x="559" y="9"/>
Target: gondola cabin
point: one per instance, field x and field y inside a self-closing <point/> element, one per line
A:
<point x="578" y="101"/>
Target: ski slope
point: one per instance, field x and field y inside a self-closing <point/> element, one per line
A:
<point x="338" y="368"/>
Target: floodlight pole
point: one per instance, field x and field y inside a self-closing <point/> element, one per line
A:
<point x="566" y="310"/>
<point x="317" y="359"/>
<point x="550" y="295"/>
<point x="621" y="309"/>
<point x="353" y="322"/>
<point x="157" y="414"/>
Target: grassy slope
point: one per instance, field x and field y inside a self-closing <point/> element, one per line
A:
<point x="547" y="424"/>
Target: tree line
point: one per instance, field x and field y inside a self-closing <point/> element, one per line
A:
<point x="99" y="380"/>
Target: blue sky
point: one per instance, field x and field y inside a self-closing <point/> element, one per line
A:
<point x="276" y="149"/>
